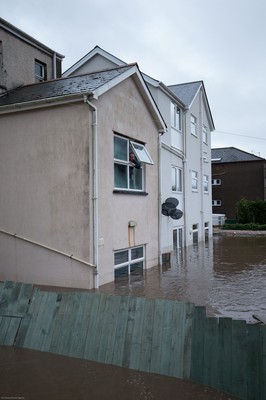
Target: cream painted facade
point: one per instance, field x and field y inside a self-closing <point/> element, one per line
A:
<point x="46" y="159"/>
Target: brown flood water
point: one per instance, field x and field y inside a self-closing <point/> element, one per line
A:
<point x="33" y="375"/>
<point x="227" y="275"/>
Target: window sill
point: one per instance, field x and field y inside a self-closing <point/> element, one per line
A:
<point x="119" y="191"/>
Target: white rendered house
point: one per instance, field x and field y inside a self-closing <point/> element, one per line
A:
<point x="184" y="153"/>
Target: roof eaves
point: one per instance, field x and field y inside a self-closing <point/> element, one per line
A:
<point x="42" y="103"/>
<point x="27" y="38"/>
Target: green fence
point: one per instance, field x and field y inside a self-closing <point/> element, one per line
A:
<point x="162" y="336"/>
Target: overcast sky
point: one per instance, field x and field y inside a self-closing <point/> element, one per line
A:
<point x="221" y="42"/>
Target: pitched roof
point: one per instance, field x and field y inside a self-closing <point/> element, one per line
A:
<point x="232" y="154"/>
<point x="95" y="51"/>
<point x="186" y="91"/>
<point x="61" y="87"/>
<point x="74" y="87"/>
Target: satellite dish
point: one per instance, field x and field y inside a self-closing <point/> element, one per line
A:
<point x="173" y="201"/>
<point x="169" y="208"/>
<point x="177" y="214"/>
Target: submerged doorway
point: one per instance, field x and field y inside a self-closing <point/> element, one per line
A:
<point x="177" y="238"/>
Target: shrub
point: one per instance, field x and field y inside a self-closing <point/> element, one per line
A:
<point x="250" y="211"/>
<point x="245" y="227"/>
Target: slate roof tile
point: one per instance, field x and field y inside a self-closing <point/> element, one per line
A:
<point x="61" y="87"/>
<point x="232" y="154"/>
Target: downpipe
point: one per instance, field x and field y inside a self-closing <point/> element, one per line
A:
<point x="95" y="196"/>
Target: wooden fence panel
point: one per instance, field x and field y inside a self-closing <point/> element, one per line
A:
<point x="8" y="330"/>
<point x="14" y="298"/>
<point x="147" y="333"/>
<point x="254" y="362"/>
<point x="197" y="355"/>
<point x="210" y="356"/>
<point x="167" y="337"/>
<point x="225" y="354"/>
<point x="80" y="330"/>
<point x="135" y="348"/>
<point x="239" y="359"/>
<point x="156" y="337"/>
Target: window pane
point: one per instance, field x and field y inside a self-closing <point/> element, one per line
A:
<point x="172" y="114"/>
<point x="38" y="70"/>
<point x="120" y="149"/>
<point x="141" y="153"/>
<point x="205" y="134"/>
<point x="136" y="253"/>
<point x="135" y="178"/>
<point x="193" y="123"/>
<point x="206" y="183"/>
<point x="136" y="268"/>
<point x="194" y="180"/>
<point x="121" y="272"/>
<point x="173" y="179"/>
<point x="177" y="124"/>
<point x="179" y="180"/>
<point x="121" y="257"/>
<point x="120" y="176"/>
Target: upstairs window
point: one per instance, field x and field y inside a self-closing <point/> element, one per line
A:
<point x="206" y="183"/>
<point x="129" y="158"/>
<point x="40" y="71"/>
<point x="194" y="180"/>
<point x="193" y="125"/>
<point x="216" y="182"/>
<point x="216" y="203"/>
<point x="175" y="117"/>
<point x="204" y="134"/>
<point x="176" y="179"/>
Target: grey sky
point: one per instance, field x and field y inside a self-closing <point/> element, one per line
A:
<point x="221" y="42"/>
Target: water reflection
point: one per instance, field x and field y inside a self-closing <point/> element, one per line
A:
<point x="227" y="275"/>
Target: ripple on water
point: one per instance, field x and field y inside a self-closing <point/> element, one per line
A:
<point x="227" y="275"/>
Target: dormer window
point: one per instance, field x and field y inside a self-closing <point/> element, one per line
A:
<point x="40" y="71"/>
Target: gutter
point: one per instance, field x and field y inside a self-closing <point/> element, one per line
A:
<point x="46" y="102"/>
<point x="95" y="195"/>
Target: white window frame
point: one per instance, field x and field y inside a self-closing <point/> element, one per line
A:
<point x="194" y="181"/>
<point x="204" y="134"/>
<point x="40" y="77"/>
<point x="216" y="182"/>
<point x="177" y="179"/>
<point x="193" y="125"/>
<point x="141" y="153"/>
<point x="195" y="233"/>
<point x="130" y="261"/>
<point x="216" y="203"/>
<point x="205" y="183"/>
<point x="206" y="231"/>
<point x="176" y="117"/>
<point x="142" y="156"/>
